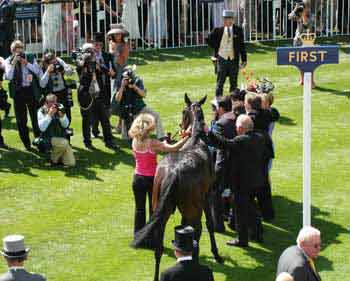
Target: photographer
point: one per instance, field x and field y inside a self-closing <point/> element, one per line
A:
<point x="130" y="96"/>
<point x="91" y="96"/>
<point x="106" y="61"/>
<point x="24" y="74"/>
<point x="53" y="80"/>
<point x="4" y="105"/>
<point x="302" y="15"/>
<point x="53" y="122"/>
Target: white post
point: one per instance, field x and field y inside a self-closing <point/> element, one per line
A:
<point x="307" y="150"/>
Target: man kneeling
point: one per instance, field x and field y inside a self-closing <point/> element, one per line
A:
<point x="53" y="122"/>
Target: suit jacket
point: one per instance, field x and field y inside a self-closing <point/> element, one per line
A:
<point x="225" y="127"/>
<point x="214" y="40"/>
<point x="249" y="154"/>
<point x="294" y="261"/>
<point x="187" y="271"/>
<point x="21" y="275"/>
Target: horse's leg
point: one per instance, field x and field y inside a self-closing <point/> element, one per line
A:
<point x="159" y="240"/>
<point x="210" y="227"/>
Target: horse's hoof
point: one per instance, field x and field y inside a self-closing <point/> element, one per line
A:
<point x="219" y="259"/>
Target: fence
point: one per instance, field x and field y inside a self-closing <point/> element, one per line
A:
<point x="170" y="23"/>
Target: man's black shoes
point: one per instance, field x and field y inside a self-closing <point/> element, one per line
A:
<point x="112" y="146"/>
<point x="237" y="243"/>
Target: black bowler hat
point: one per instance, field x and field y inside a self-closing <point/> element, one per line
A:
<point x="184" y="239"/>
<point x="99" y="37"/>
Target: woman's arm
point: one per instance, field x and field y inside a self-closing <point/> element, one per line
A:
<point x="158" y="146"/>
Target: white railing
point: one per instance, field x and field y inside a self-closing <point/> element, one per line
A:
<point x="171" y="23"/>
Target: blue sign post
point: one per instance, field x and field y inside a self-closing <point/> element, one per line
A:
<point x="307" y="59"/>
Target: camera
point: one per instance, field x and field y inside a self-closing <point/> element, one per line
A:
<point x="60" y="107"/>
<point x="130" y="76"/>
<point x="21" y="55"/>
<point x="89" y="61"/>
<point x="298" y="9"/>
<point x="57" y="67"/>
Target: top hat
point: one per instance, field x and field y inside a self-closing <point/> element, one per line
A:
<point x="99" y="37"/>
<point x="118" y="28"/>
<point x="184" y="239"/>
<point x="13" y="247"/>
<point x="228" y="14"/>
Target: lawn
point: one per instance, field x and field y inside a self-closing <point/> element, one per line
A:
<point x="79" y="222"/>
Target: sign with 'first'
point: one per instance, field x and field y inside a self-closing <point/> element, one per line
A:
<point x="308" y="58"/>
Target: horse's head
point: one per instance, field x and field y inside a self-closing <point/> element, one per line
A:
<point x="193" y="113"/>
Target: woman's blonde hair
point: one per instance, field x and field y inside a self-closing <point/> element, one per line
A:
<point x="268" y="97"/>
<point x="142" y="126"/>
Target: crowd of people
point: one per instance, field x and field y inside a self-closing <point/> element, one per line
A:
<point x="239" y="138"/>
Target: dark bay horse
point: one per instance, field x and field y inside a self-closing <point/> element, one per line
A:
<point x="183" y="181"/>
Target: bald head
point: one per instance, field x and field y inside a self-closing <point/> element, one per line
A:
<point x="244" y="124"/>
<point x="284" y="276"/>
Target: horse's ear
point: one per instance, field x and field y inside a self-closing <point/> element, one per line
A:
<point x="187" y="100"/>
<point x="202" y="101"/>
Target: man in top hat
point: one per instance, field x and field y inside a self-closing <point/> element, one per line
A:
<point x="15" y="253"/>
<point x="228" y="44"/>
<point x="186" y="269"/>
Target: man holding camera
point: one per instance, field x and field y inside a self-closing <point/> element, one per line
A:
<point x="53" y="80"/>
<point x="24" y="74"/>
<point x="53" y="122"/>
<point x="91" y="96"/>
<point x="130" y="96"/>
<point x="106" y="61"/>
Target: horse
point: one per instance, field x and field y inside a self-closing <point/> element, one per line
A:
<point x="183" y="180"/>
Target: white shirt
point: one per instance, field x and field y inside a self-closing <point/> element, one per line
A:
<point x="44" y="121"/>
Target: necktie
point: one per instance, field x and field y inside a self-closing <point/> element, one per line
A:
<point x="228" y="32"/>
<point x="19" y="78"/>
<point x="312" y="264"/>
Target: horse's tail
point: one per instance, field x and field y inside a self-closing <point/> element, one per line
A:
<point x="165" y="205"/>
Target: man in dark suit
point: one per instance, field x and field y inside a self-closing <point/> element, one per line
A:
<point x="15" y="253"/>
<point x="24" y="75"/>
<point x="228" y="44"/>
<point x="108" y="67"/>
<point x="226" y="127"/>
<point x="299" y="260"/>
<point x="186" y="269"/>
<point x="248" y="154"/>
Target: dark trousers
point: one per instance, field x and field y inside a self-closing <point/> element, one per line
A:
<point x="142" y="187"/>
<point x="96" y="121"/>
<point x="264" y="199"/>
<point x="226" y="68"/>
<point x="217" y="206"/>
<point x="246" y="214"/>
<point x="97" y="109"/>
<point x="24" y="101"/>
<point x="1" y="138"/>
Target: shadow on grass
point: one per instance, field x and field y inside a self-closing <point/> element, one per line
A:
<point x="278" y="236"/>
<point x="334" y="92"/>
<point x="286" y="121"/>
<point x="88" y="162"/>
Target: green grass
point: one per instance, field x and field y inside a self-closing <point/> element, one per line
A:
<point x="79" y="222"/>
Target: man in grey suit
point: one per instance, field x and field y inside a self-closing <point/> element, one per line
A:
<point x="15" y="253"/>
<point x="299" y="260"/>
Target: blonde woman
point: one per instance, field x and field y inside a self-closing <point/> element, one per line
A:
<point x="145" y="150"/>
